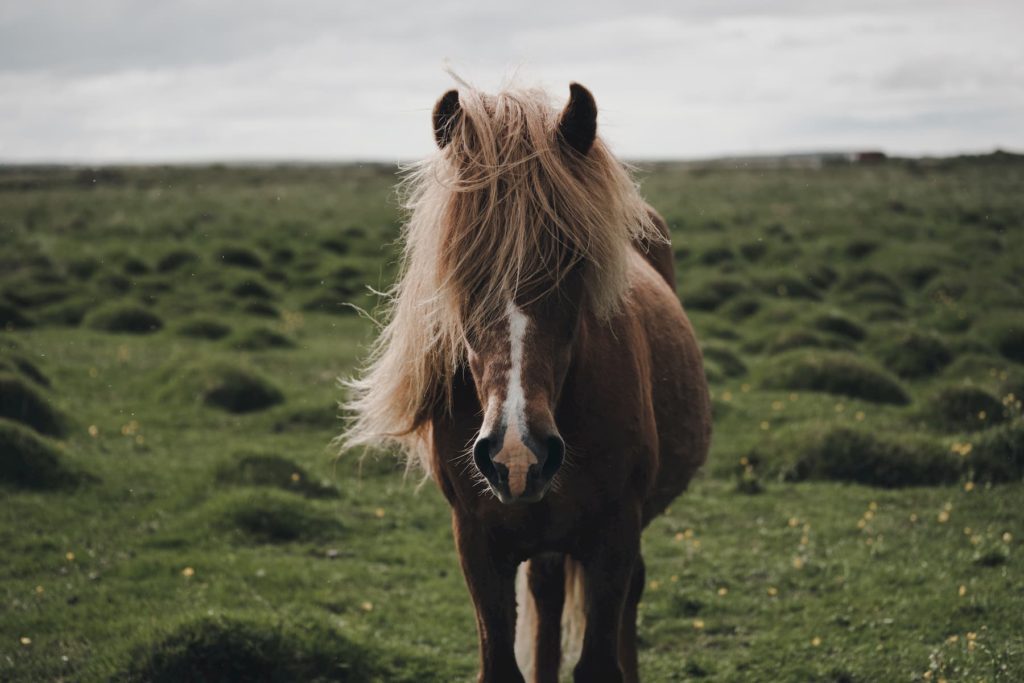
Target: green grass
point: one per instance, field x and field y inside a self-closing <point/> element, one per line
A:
<point x="857" y="520"/>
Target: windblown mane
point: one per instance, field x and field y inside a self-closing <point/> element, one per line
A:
<point x="504" y="208"/>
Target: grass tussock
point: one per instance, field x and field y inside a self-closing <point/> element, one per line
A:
<point x="14" y="362"/>
<point x="265" y="515"/>
<point x="996" y="455"/>
<point x="863" y="457"/>
<point x="239" y="256"/>
<point x="30" y="461"/>
<point x="261" y="339"/>
<point x="712" y="294"/>
<point x="233" y="388"/>
<point x="11" y="318"/>
<point x="125" y="318"/>
<point x="268" y="469"/>
<point x="310" y="418"/>
<point x="835" y="373"/>
<point x="964" y="408"/>
<point x="22" y="401"/>
<point x="211" y="649"/>
<point x="1007" y="337"/>
<point x="176" y="259"/>
<point x="838" y="324"/>
<point x="914" y="353"/>
<point x="204" y="328"/>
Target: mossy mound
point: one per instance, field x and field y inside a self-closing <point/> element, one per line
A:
<point x="268" y="469"/>
<point x="115" y="283"/>
<point x="265" y="515"/>
<point x="871" y="286"/>
<point x="726" y="359"/>
<point x="323" y="417"/>
<point x="864" y="277"/>
<point x="125" y="318"/>
<point x="11" y="318"/>
<point x="711" y="295"/>
<point x="28" y="294"/>
<point x="173" y="260"/>
<point x="261" y="339"/>
<point x="68" y="313"/>
<point x="1008" y="338"/>
<point x="845" y="454"/>
<point x="335" y="245"/>
<point x="964" y="408"/>
<point x="885" y="314"/>
<point x="29" y="461"/>
<point x="914" y="353"/>
<point x="835" y="373"/>
<point x="717" y="255"/>
<point x="997" y="454"/>
<point x="134" y="266"/>
<point x="329" y="303"/>
<point x="858" y="249"/>
<point x="878" y="294"/>
<point x="261" y="309"/>
<point x="204" y="328"/>
<point x="84" y="268"/>
<point x="241" y="257"/>
<point x="836" y="323"/>
<point x="228" y="387"/>
<point x="741" y="308"/>
<point x="786" y="285"/>
<point x="252" y="288"/>
<point x="787" y="340"/>
<point x="22" y="402"/>
<point x="264" y="649"/>
<point x="15" y="363"/>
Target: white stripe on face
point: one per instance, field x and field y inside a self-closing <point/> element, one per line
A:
<point x="514" y="453"/>
<point x="515" y="399"/>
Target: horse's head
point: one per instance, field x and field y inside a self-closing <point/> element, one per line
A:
<point x="519" y="367"/>
<point x="520" y="352"/>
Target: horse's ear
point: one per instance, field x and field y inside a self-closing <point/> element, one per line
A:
<point x="445" y="112"/>
<point x="577" y="125"/>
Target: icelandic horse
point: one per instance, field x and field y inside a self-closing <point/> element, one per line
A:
<point x="537" y="363"/>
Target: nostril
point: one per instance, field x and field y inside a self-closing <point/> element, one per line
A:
<point x="556" y="454"/>
<point x="482" y="457"/>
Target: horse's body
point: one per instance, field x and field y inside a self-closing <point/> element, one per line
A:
<point x="628" y="401"/>
<point x="635" y="409"/>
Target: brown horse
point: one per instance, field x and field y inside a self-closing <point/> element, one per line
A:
<point x="537" y="363"/>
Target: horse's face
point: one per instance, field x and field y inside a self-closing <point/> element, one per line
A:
<point x="519" y="367"/>
<point x="520" y="356"/>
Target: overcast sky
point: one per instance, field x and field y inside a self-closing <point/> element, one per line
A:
<point x="201" y="80"/>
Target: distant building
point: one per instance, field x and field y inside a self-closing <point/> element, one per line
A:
<point x="870" y="157"/>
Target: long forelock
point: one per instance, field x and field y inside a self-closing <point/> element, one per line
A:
<point x="505" y="209"/>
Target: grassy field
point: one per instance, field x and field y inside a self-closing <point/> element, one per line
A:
<point x="173" y="510"/>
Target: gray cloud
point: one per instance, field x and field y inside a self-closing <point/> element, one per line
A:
<point x="181" y="80"/>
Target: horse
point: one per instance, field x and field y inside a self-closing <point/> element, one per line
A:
<point x="536" y="362"/>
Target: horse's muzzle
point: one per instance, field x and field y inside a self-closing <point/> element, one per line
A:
<point x="519" y="472"/>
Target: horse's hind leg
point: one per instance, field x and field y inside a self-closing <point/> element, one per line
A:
<point x="627" y="632"/>
<point x="546" y="575"/>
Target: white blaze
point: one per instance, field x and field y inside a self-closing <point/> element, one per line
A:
<point x="515" y="399"/>
<point x="514" y="454"/>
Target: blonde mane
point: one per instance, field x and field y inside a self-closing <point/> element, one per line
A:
<point x="505" y="208"/>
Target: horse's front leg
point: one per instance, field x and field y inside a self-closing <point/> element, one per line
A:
<point x="490" y="574"/>
<point x="608" y="561"/>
